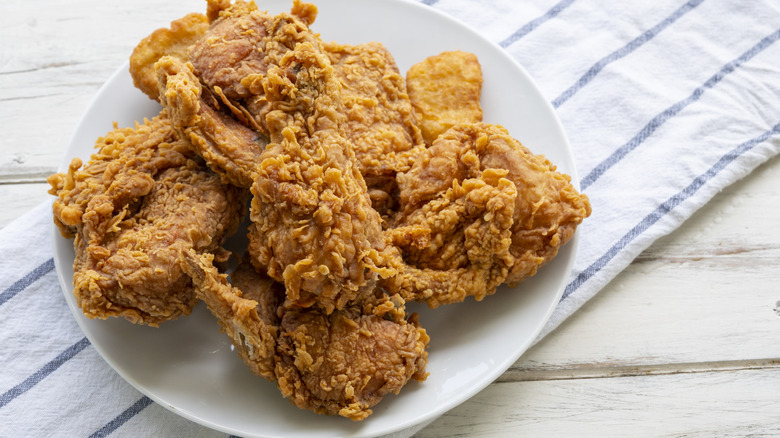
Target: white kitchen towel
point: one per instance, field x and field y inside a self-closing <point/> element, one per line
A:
<point x="665" y="103"/>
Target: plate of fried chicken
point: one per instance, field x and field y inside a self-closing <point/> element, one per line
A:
<point x="289" y="201"/>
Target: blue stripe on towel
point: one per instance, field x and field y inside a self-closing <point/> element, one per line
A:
<point x="533" y="24"/>
<point x="122" y="418"/>
<point x="675" y="109"/>
<point x="624" y="51"/>
<point x="42" y="373"/>
<point x="663" y="209"/>
<point x="26" y="281"/>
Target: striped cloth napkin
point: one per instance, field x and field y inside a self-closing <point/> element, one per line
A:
<point x="665" y="104"/>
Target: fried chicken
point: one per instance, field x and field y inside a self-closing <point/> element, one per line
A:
<point x="141" y="199"/>
<point x="242" y="43"/>
<point x="229" y="147"/>
<point x="230" y="54"/>
<point x="338" y="364"/>
<point x="369" y="190"/>
<point x="478" y="209"/>
<point x="445" y="90"/>
<point x="312" y="223"/>
<point x="380" y="121"/>
<point x="174" y="41"/>
<point x="218" y="101"/>
<point x="346" y="362"/>
<point x="313" y="226"/>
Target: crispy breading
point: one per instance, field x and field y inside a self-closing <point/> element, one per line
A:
<point x="141" y="199"/>
<point x="240" y="45"/>
<point x="217" y="101"/>
<point x="380" y="122"/>
<point x="248" y="316"/>
<point x="478" y="209"/>
<point x="338" y="364"/>
<point x="312" y="223"/>
<point x="229" y="147"/>
<point x="445" y="90"/>
<point x="174" y="41"/>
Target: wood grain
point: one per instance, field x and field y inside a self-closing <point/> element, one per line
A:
<point x="682" y="343"/>
<point x="734" y="403"/>
<point x="48" y="78"/>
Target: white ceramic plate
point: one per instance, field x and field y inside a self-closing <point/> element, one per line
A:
<point x="189" y="367"/>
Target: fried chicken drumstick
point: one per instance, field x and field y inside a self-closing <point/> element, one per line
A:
<point x="343" y="363"/>
<point x="312" y="223"/>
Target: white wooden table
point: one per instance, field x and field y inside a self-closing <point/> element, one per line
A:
<point x="683" y="343"/>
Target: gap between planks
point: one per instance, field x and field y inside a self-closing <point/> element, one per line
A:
<point x="30" y="178"/>
<point x="598" y="372"/>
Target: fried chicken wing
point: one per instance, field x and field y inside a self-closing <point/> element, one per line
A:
<point x="174" y="41"/>
<point x="380" y="121"/>
<point x="247" y="311"/>
<point x="312" y="223"/>
<point x="229" y="59"/>
<point x="218" y="101"/>
<point x="338" y="364"/>
<point x="229" y="147"/>
<point x="242" y="43"/>
<point x="478" y="209"/>
<point x="141" y="199"/>
<point x="445" y="90"/>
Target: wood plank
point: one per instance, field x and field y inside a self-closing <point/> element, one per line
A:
<point x="724" y="404"/>
<point x="48" y="78"/>
<point x="655" y="313"/>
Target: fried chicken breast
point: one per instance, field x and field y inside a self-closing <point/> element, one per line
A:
<point x="380" y="122"/>
<point x="478" y="209"/>
<point x="141" y="199"/>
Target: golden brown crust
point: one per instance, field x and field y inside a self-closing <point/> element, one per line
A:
<point x="141" y="199"/>
<point x="346" y="362"/>
<point x="312" y="222"/>
<point x="249" y="317"/>
<point x="445" y="90"/>
<point x="230" y="147"/>
<point x="380" y="122"/>
<point x="174" y="41"/>
<point x="478" y="210"/>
